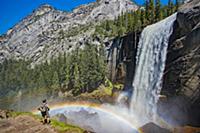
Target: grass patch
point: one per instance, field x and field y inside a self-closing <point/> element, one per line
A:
<point x="65" y="128"/>
<point x="59" y="126"/>
<point x="15" y="114"/>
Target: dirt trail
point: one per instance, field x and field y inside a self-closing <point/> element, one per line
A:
<point x="24" y="124"/>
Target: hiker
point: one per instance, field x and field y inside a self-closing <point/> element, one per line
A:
<point x="44" y="109"/>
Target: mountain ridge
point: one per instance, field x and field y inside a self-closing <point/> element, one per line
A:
<point x="47" y="30"/>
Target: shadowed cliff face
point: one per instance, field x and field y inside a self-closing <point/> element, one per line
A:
<point x="122" y="59"/>
<point x="181" y="81"/>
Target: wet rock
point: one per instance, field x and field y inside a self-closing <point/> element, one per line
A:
<point x="186" y="129"/>
<point x="153" y="128"/>
<point x="61" y="118"/>
<point x="181" y="79"/>
<point x="122" y="58"/>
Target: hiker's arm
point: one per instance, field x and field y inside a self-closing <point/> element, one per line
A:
<point x="48" y="108"/>
<point x="39" y="108"/>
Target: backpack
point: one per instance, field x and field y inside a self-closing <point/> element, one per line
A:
<point x="44" y="108"/>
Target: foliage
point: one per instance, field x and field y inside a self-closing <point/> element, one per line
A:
<point x="134" y="21"/>
<point x="65" y="128"/>
<point x="82" y="70"/>
<point x="107" y="90"/>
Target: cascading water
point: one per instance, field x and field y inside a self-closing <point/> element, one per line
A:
<point x="151" y="56"/>
<point x="150" y="65"/>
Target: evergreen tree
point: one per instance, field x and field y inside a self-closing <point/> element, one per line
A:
<point x="40" y="82"/>
<point x="47" y="74"/>
<point x="83" y="70"/>
<point x="55" y="80"/>
<point x="177" y="5"/>
<point x="147" y="12"/>
<point x="107" y="25"/>
<point x="158" y="12"/>
<point x="67" y="76"/>
<point x="137" y="21"/>
<point x="121" y="28"/>
<point x="126" y="21"/>
<point x="151" y="11"/>
<point x="77" y="83"/>
<point x="142" y="18"/>
<point x="170" y="8"/>
<point x="130" y="27"/>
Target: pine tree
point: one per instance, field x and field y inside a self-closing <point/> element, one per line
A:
<point x="76" y="82"/>
<point x="130" y="22"/>
<point x="126" y="21"/>
<point x="151" y="11"/>
<point x="83" y="71"/>
<point x="147" y="15"/>
<point x="67" y="76"/>
<point x="142" y="18"/>
<point x="46" y="74"/>
<point x="170" y="7"/>
<point x="55" y="80"/>
<point x="177" y="5"/>
<point x="158" y="12"/>
<point x="107" y="26"/>
<point x="102" y="61"/>
<point x="40" y="80"/>
<point x="136" y="21"/>
<point x="121" y="28"/>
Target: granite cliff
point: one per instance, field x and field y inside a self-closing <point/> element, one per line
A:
<point x="47" y="31"/>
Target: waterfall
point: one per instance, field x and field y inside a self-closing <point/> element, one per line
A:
<point x="150" y="65"/>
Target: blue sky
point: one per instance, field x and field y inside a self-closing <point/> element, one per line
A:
<point x="12" y="11"/>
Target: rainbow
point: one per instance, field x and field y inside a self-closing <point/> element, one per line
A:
<point x="94" y="106"/>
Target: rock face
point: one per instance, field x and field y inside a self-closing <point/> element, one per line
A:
<point x="47" y="31"/>
<point x="122" y="58"/>
<point x="182" y="75"/>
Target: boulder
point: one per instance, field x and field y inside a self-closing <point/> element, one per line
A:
<point x="153" y="128"/>
<point x="4" y="114"/>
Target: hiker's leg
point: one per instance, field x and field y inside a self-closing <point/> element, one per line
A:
<point x="46" y="119"/>
<point x="43" y="117"/>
